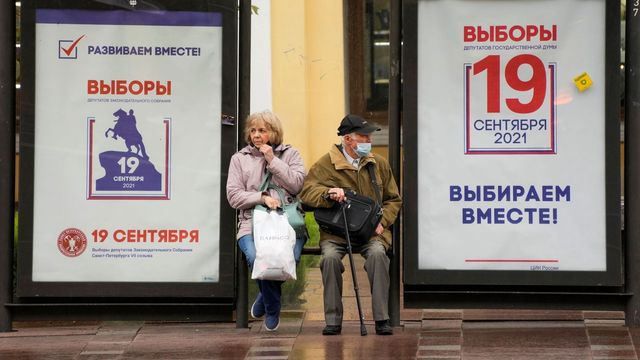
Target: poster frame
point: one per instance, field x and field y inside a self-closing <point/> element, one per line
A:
<point x="28" y="290"/>
<point x="416" y="279"/>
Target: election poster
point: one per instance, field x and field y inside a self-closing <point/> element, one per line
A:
<point x="511" y="134"/>
<point x="127" y="164"/>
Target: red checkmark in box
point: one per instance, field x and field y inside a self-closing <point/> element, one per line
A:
<point x="68" y="49"/>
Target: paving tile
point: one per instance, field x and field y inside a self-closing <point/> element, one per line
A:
<point x="541" y="353"/>
<point x="427" y="340"/>
<point x="537" y="315"/>
<point x="43" y="324"/>
<point x="603" y="322"/>
<point x="436" y="314"/>
<point x="441" y="324"/>
<point x="43" y="347"/>
<point x="192" y="347"/>
<point x="350" y="345"/>
<point x="413" y="326"/>
<point x="611" y="343"/>
<point x="524" y="339"/>
<point x="411" y="314"/>
<point x="49" y="331"/>
<point x="446" y="334"/>
<point x="610" y="340"/>
<point x="270" y="348"/>
<point x="634" y="333"/>
<point x="607" y="331"/>
<point x="619" y="315"/>
<point x="98" y="356"/>
<point x="440" y="343"/>
<point x="522" y="324"/>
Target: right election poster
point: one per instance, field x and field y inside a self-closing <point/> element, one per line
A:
<point x="511" y="135"/>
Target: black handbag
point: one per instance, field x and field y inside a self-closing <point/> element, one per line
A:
<point x="363" y="215"/>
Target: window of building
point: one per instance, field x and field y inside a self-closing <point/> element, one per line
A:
<point x="367" y="25"/>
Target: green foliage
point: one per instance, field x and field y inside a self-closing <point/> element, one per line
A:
<point x="293" y="290"/>
<point x="313" y="229"/>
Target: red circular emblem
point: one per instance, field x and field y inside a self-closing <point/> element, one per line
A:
<point x="72" y="242"/>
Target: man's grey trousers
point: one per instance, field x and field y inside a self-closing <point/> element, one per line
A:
<point x="377" y="267"/>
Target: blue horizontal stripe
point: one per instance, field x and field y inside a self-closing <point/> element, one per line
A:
<point x="123" y="17"/>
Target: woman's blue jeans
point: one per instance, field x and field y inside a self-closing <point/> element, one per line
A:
<point x="271" y="290"/>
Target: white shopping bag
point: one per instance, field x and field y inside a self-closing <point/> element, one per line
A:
<point x="274" y="239"/>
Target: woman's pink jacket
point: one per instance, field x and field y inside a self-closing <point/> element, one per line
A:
<point x="246" y="172"/>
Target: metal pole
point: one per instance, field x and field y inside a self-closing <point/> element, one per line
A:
<point x="244" y="79"/>
<point x="632" y="161"/>
<point x="395" y="88"/>
<point x="7" y="155"/>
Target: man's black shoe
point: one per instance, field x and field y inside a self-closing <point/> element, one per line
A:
<point x="383" y="327"/>
<point x="332" y="330"/>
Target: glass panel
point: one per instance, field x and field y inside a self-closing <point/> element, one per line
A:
<point x="377" y="55"/>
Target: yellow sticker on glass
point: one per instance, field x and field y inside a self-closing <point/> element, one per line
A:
<point x="583" y="81"/>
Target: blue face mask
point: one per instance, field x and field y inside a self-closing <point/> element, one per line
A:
<point x="363" y="149"/>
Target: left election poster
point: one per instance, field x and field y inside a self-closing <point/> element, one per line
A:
<point x="126" y="159"/>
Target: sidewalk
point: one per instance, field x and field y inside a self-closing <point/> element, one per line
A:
<point x="423" y="334"/>
<point x="440" y="335"/>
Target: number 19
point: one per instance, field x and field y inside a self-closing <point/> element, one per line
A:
<point x="537" y="83"/>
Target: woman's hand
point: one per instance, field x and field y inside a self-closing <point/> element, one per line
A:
<point x="267" y="151"/>
<point x="270" y="202"/>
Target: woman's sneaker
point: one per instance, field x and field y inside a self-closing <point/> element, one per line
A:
<point x="257" y="309"/>
<point x="272" y="322"/>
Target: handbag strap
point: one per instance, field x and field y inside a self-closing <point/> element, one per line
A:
<point x="374" y="181"/>
<point x="279" y="190"/>
<point x="265" y="181"/>
<point x="267" y="184"/>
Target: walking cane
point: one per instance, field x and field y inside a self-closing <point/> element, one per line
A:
<point x="363" y="329"/>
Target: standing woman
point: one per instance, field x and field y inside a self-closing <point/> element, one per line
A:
<point x="265" y="151"/>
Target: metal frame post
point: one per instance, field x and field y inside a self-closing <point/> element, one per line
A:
<point x="395" y="87"/>
<point x="632" y="162"/>
<point x="7" y="156"/>
<point x="244" y="87"/>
